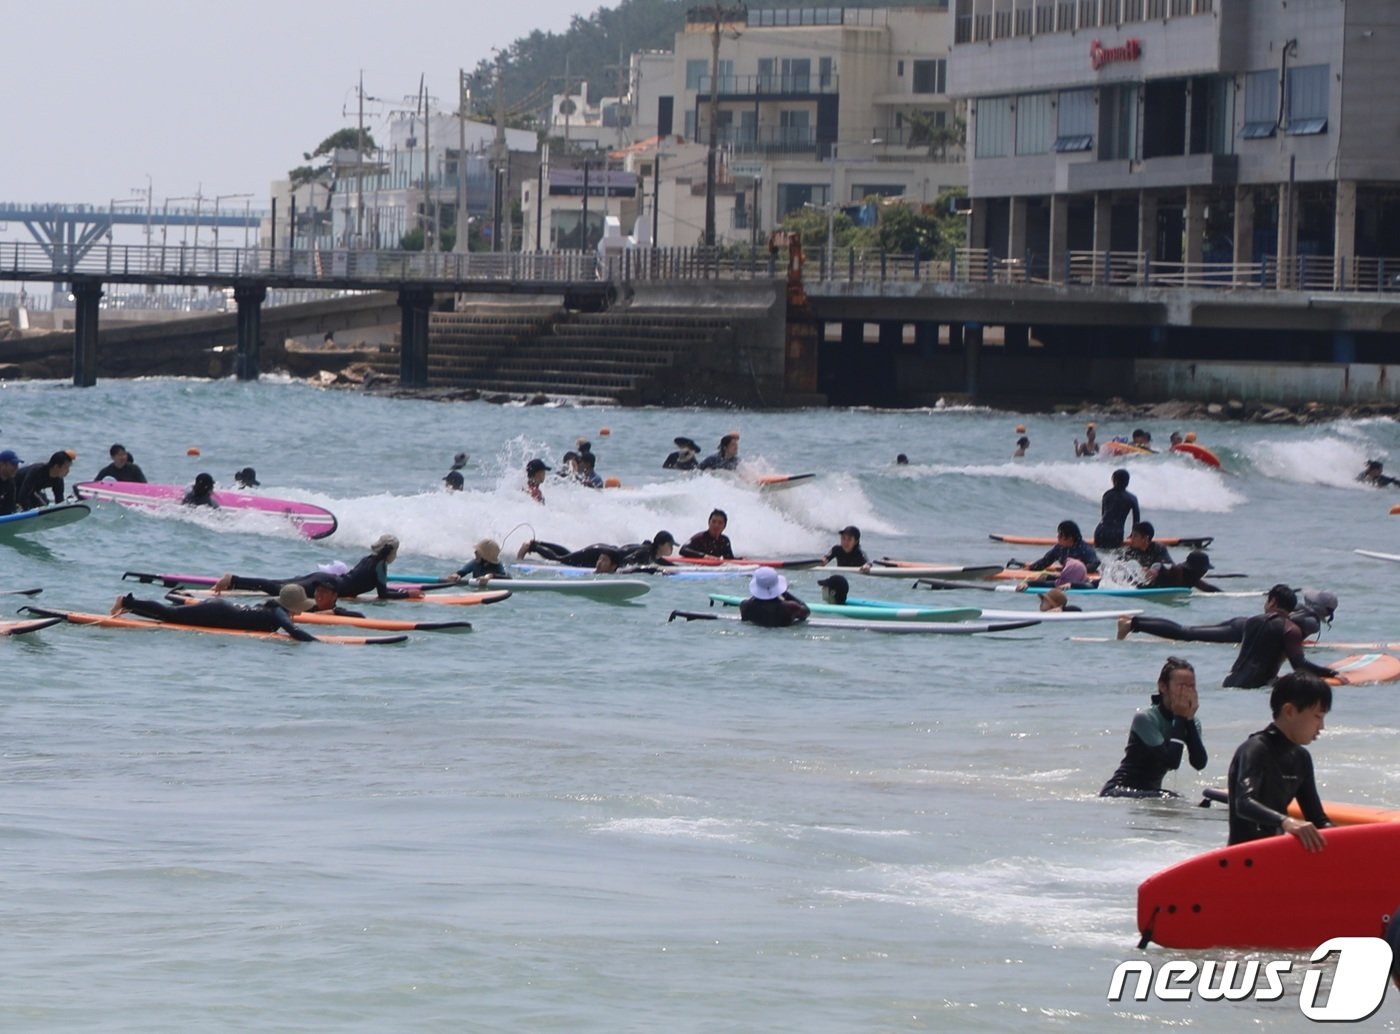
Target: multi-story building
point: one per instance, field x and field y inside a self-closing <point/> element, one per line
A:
<point x="1260" y="132"/>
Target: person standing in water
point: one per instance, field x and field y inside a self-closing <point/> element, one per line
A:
<point x="1114" y="509"/>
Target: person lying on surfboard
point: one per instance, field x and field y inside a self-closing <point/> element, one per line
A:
<point x="1069" y="544"/>
<point x="1142" y="440"/>
<point x="770" y="604"/>
<point x="272" y="616"/>
<point x="1268" y="639"/>
<point x="1272" y="768"/>
<point x="603" y="557"/>
<point x="712" y="541"/>
<point x="484" y="565"/>
<point x="1115" y="506"/>
<point x="326" y="601"/>
<point x="1189" y="574"/>
<point x="201" y="493"/>
<point x="1317" y="608"/>
<point x="847" y="552"/>
<point x="726" y="457"/>
<point x="371" y="573"/>
<point x="1372" y="475"/>
<point x="1159" y="735"/>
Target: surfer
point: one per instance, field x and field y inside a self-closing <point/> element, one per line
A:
<point x="246" y="478"/>
<point x="901" y="460"/>
<point x="1022" y="444"/>
<point x="1069" y="544"/>
<point x="1142" y="440"/>
<point x="1189" y="574"/>
<point x="1175" y="438"/>
<point x="272" y="616"/>
<point x="1268" y="639"/>
<point x="122" y="467"/>
<point x="835" y="589"/>
<point x="587" y="474"/>
<point x="1114" y="508"/>
<point x="535" y="471"/>
<point x="325" y="601"/>
<point x="1273" y="768"/>
<point x="1056" y="601"/>
<point x="1373" y="475"/>
<point x="9" y="466"/>
<point x="201" y="493"/>
<point x="847" y="552"/>
<point x="32" y="481"/>
<point x="770" y="604"/>
<point x="1159" y="735"/>
<point x="712" y="541"/>
<point x="1090" y="445"/>
<point x="1317" y="608"/>
<point x="603" y="557"/>
<point x="484" y="565"/>
<point x="453" y="480"/>
<point x="685" y="457"/>
<point x="1073" y="575"/>
<point x="1152" y="556"/>
<point x="371" y="572"/>
<point x="727" y="456"/>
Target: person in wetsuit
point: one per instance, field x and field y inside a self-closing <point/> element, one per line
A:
<point x="326" y="601"/>
<point x="1372" y="475"/>
<point x="1269" y="638"/>
<point x="1317" y="609"/>
<point x="201" y="493"/>
<point x="484" y="565"/>
<point x="1189" y="574"/>
<point x="1115" y="507"/>
<point x="272" y="616"/>
<point x="685" y="457"/>
<point x="33" y="481"/>
<point x="847" y="552"/>
<point x="770" y="604"/>
<point x="122" y="467"/>
<point x="1272" y="768"/>
<point x="1142" y="550"/>
<point x="712" y="541"/>
<point x="1069" y="545"/>
<point x="603" y="557"/>
<point x="9" y="467"/>
<point x="726" y="457"/>
<point x="1158" y="736"/>
<point x="371" y="573"/>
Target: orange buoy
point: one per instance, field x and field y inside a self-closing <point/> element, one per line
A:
<point x="611" y="483"/>
<point x="603" y="432"/>
<point x="191" y="451"/>
<point x="1020" y="428"/>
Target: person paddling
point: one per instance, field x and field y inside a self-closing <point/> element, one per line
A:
<point x="370" y="574"/>
<point x="726" y="457"/>
<point x="33" y="481"/>
<point x="847" y="552"/>
<point x="272" y="616"/>
<point x="602" y="557"/>
<point x="712" y="541"/>
<point x="484" y="565"/>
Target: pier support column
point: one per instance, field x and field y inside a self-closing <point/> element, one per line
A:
<point x="415" y="304"/>
<point x="86" y="294"/>
<point x="1243" y="237"/>
<point x="1287" y="235"/>
<point x="1344" y="236"/>
<point x="1195" y="243"/>
<point x="926" y="339"/>
<point x="1016" y="236"/>
<point x="1147" y="225"/>
<point x="972" y="358"/>
<point x="249" y="298"/>
<point x="1059" y="239"/>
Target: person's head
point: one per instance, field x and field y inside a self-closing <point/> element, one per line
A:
<point x="1175" y="438"/>
<point x="606" y="564"/>
<point x="1197" y="562"/>
<point x="1072" y="573"/>
<point x="453" y="480"/>
<point x="1141" y="535"/>
<point x="535" y="471"/>
<point x="1141" y="437"/>
<point x="386" y="548"/>
<point x="901" y="460"/>
<point x="850" y="537"/>
<point x="203" y="483"/>
<point x="587" y="462"/>
<point x="583" y="445"/>
<point x="1090" y="431"/>
<point x="1120" y="478"/>
<point x="1322" y="602"/>
<point x="1176" y="685"/>
<point x="767" y="584"/>
<point x="1190" y="437"/>
<point x="9" y="462"/>
<point x="719" y="520"/>
<point x="835" y="589"/>
<point x="1299" y="702"/>
<point x="293" y="598"/>
<point x="459" y="460"/>
<point x="568" y="464"/>
<point x="247" y="478"/>
<point x="663" y="543"/>
<point x="119" y="456"/>
<point x="1055" y="599"/>
<point x="60" y="463"/>
<point x="729" y="445"/>
<point x="1068" y="534"/>
<point x="686" y="447"/>
<point x="325" y="596"/>
<point x="1282" y="599"/>
<point x="1374" y="467"/>
<point x="488" y="550"/>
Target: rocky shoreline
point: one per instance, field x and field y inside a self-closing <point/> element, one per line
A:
<point x="1235" y="411"/>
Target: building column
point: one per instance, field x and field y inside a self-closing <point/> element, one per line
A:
<point x="977" y="225"/>
<point x="1147" y="225"/>
<point x="1287" y="234"/>
<point x="1194" y="252"/>
<point x="1103" y="222"/>
<point x="1059" y="238"/>
<point x="86" y="295"/>
<point x="972" y="357"/>
<point x="1344" y="235"/>
<point x="415" y="304"/>
<point x="1243" y="242"/>
<point x="1016" y="233"/>
<point x="249" y="298"/>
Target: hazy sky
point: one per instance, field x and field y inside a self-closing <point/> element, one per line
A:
<point x="102" y="93"/>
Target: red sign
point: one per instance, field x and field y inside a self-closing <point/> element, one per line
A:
<point x="1099" y="55"/>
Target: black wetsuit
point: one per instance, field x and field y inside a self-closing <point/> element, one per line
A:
<point x="1268" y="639"/>
<point x="7" y="496"/>
<point x="716" y="461"/>
<point x="1117" y="504"/>
<point x="1231" y="631"/>
<point x="1059" y="554"/>
<point x="855" y="558"/>
<point x="340" y="612"/>
<point x="193" y="498"/>
<point x="1179" y="576"/>
<point x="780" y="612"/>
<point x="265" y="617"/>
<point x="674" y="462"/>
<point x="1154" y="554"/>
<point x="632" y="554"/>
<point x="31" y="483"/>
<point x="478" y="568"/>
<point x="130" y="472"/>
<point x="370" y="573"/>
<point x="1267" y="772"/>
<point x="1155" y="744"/>
<point x="702" y="544"/>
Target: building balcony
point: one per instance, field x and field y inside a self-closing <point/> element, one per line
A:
<point x="1186" y="170"/>
<point x="981" y="21"/>
<point x="809" y="84"/>
<point x="771" y="140"/>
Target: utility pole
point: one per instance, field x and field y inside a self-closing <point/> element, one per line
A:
<point x="501" y="156"/>
<point x="719" y="15"/>
<point x="460" y="244"/>
<point x="429" y="230"/>
<point x="360" y="169"/>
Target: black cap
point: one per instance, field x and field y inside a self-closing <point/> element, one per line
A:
<point x="663" y="538"/>
<point x="536" y="465"/>
<point x="682" y="442"/>
<point x="850" y="530"/>
<point x="247" y="476"/>
<point x="1198" y="560"/>
<point x="835" y="581"/>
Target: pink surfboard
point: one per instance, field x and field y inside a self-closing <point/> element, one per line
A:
<point x="314" y="522"/>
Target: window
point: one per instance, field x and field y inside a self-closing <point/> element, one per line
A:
<point x="994" y="127"/>
<point x="931" y="76"/>
<point x="696" y="70"/>
<point x="1118" y="123"/>
<point x="1260" y="105"/>
<point x="824" y="72"/>
<point x="899" y="69"/>
<point x="797" y="74"/>
<point x="1307" y="99"/>
<point x="793" y="196"/>
<point x="690" y="125"/>
<point x="1075" y="126"/>
<point x="1035" y="123"/>
<point x="795" y="128"/>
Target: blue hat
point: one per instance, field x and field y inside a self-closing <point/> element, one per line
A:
<point x="9" y="456"/>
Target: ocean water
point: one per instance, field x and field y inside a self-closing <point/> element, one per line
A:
<point x="583" y="817"/>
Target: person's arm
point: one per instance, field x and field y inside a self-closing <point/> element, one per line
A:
<point x="1309" y="802"/>
<point x="726" y="550"/>
<point x="1137" y="513"/>
<point x="385" y="591"/>
<point x="1086" y="553"/>
<point x="689" y="548"/>
<point x="1190" y="731"/>
<point x="1293" y="650"/>
<point x="1204" y="586"/>
<point x="286" y="624"/>
<point x="1051" y="557"/>
<point x="137" y="474"/>
<point x="799" y="610"/>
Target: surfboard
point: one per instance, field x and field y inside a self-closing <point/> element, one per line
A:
<point x="1394" y="558"/>
<point x="381" y="624"/>
<point x="771" y="482"/>
<point x="1124" y="449"/>
<point x="1395" y="509"/>
<point x="1341" y="814"/>
<point x="600" y="587"/>
<point x="892" y="612"/>
<point x="25" y="627"/>
<point x="1110" y="590"/>
<point x="109" y="621"/>
<point x="1054" y="616"/>
<point x="715" y="561"/>
<point x="1364" y="668"/>
<point x="27" y="522"/>
<point x="853" y="624"/>
<point x="1248" y="895"/>
<point x="455" y="599"/>
<point x="1198" y="452"/>
<point x="314" y="522"/>
<point x="907" y="569"/>
<point x="1185" y="541"/>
